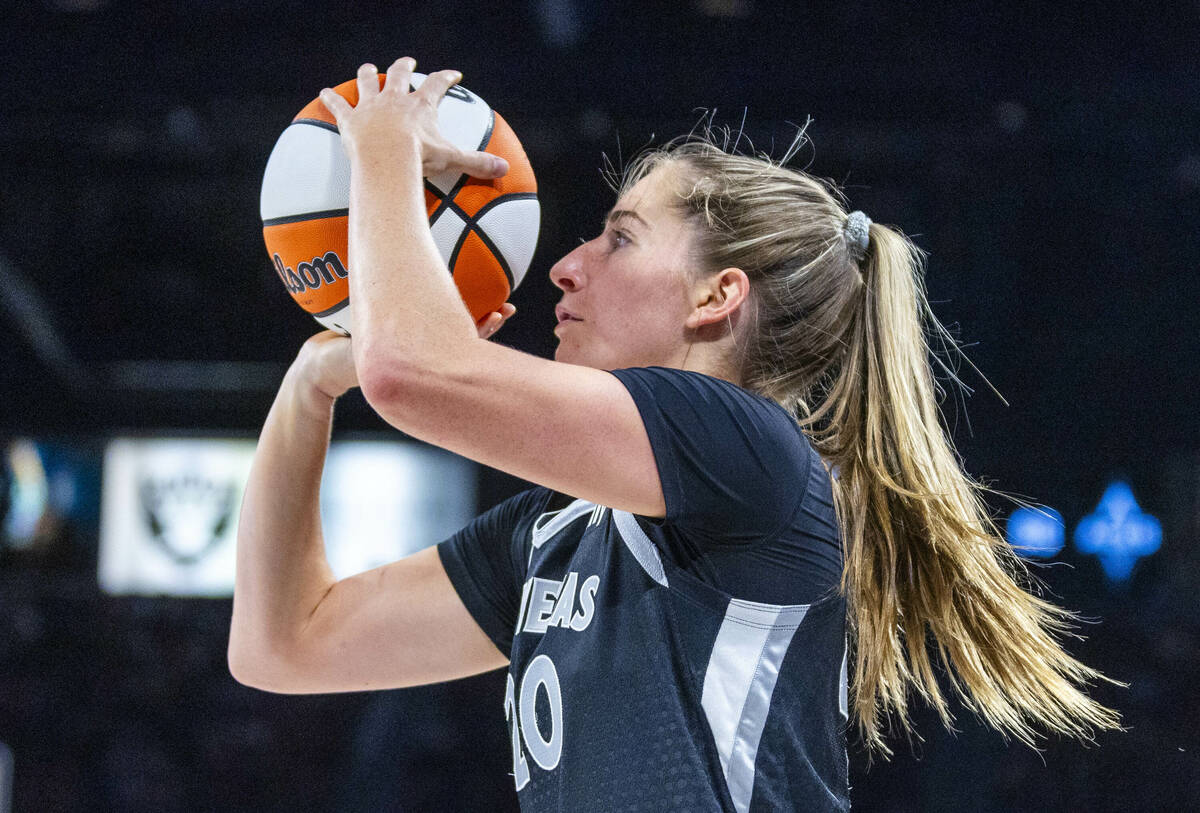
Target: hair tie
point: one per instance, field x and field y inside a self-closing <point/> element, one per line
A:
<point x="858" y="234"/>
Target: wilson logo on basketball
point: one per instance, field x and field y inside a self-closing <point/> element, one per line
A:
<point x="311" y="275"/>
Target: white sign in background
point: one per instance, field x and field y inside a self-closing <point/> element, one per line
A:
<point x="169" y="509"/>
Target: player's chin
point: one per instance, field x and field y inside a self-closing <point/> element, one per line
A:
<point x="565" y="354"/>
<point x="570" y="352"/>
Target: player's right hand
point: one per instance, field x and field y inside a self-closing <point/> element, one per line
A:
<point x="326" y="364"/>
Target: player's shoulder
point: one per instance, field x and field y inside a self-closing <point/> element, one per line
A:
<point x="715" y="403"/>
<point x="697" y="389"/>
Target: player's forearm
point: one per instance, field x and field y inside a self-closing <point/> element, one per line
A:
<point x="282" y="572"/>
<point x="408" y="316"/>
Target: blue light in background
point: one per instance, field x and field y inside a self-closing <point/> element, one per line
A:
<point x="1036" y="531"/>
<point x="1118" y="532"/>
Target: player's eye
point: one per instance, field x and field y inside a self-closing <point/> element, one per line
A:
<point x="618" y="238"/>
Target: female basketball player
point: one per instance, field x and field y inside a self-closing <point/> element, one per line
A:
<point x="672" y="598"/>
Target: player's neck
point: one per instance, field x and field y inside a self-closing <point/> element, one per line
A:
<point x="713" y="358"/>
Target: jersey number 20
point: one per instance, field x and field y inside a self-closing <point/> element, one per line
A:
<point x="522" y="718"/>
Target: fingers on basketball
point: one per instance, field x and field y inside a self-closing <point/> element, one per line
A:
<point x="368" y="81"/>
<point x="399" y="74"/>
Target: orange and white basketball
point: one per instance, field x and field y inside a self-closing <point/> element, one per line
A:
<point x="485" y="230"/>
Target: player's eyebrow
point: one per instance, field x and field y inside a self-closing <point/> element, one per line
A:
<point x="617" y="215"/>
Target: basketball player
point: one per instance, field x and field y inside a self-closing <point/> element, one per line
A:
<point x="673" y="597"/>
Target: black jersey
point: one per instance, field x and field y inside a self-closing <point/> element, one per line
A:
<point x="695" y="662"/>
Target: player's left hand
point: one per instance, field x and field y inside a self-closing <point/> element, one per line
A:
<point x="391" y="120"/>
<point x="488" y="326"/>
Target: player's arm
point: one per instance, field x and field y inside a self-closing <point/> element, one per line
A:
<point x="420" y="362"/>
<point x="572" y="429"/>
<point x="295" y="628"/>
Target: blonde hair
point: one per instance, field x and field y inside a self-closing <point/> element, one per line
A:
<point x="841" y="342"/>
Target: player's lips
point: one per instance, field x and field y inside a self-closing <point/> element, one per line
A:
<point x="565" y="315"/>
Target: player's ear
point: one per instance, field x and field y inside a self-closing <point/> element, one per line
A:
<point x="718" y="297"/>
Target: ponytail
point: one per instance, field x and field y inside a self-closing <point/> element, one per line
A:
<point x="922" y="553"/>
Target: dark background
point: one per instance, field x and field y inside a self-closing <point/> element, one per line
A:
<point x="1044" y="154"/>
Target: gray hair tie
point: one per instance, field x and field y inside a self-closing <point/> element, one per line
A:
<point x="858" y="234"/>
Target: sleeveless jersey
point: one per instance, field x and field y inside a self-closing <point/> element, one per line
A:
<point x="690" y="663"/>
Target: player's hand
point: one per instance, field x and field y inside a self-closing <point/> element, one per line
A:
<point x="325" y="364"/>
<point x="488" y="325"/>
<point x="391" y="120"/>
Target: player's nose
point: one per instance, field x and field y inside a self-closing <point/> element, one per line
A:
<point x="567" y="273"/>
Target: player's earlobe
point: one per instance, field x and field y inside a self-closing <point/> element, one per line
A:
<point x="719" y="297"/>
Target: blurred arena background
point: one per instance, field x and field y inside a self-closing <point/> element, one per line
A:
<point x="1044" y="154"/>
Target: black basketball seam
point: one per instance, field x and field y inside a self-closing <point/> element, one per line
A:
<point x="497" y="254"/>
<point x="333" y="310"/>
<point x="487" y="241"/>
<point x="458" y="210"/>
<point x="324" y="125"/>
<point x="448" y="200"/>
<point x="462" y="238"/>
<point x="471" y="225"/>
<point x="441" y="207"/>
<point x="328" y="213"/>
<point x="469" y="220"/>
<point x="491" y="204"/>
<point x="487" y="134"/>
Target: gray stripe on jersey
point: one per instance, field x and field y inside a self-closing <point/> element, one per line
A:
<point x="640" y="546"/>
<point x="844" y="685"/>
<point x="742" y="671"/>
<point x="550" y="523"/>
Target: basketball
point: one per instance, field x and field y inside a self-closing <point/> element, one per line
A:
<point x="485" y="230"/>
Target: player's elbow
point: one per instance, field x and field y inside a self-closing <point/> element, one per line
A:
<point x="405" y="392"/>
<point x="382" y="388"/>
<point x="387" y="379"/>
<point x="262" y="668"/>
<point x="246" y="667"/>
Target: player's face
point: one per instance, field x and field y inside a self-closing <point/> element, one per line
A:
<point x="626" y="292"/>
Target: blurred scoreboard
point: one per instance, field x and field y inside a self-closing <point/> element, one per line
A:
<point x="169" y="509"/>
